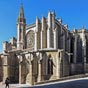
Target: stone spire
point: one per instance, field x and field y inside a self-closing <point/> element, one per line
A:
<point x="21" y="17"/>
<point x="21" y="27"/>
<point x="21" y="13"/>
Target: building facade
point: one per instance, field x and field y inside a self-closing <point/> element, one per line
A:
<point x="45" y="50"/>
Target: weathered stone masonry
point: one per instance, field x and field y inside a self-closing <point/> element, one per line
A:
<point x="45" y="50"/>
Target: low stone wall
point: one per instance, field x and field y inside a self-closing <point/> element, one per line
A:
<point x="77" y="68"/>
<point x="86" y="67"/>
<point x="63" y="79"/>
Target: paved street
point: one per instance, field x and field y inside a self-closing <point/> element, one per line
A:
<point x="72" y="84"/>
<point x="80" y="83"/>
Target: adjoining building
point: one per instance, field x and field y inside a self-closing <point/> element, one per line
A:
<point x="45" y="50"/>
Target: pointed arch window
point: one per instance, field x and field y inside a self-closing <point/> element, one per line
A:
<point x="30" y="39"/>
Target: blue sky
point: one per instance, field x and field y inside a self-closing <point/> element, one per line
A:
<point x="73" y="12"/>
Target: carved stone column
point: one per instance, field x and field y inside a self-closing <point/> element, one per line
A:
<point x="35" y="41"/>
<point x="37" y="35"/>
<point x="55" y="39"/>
<point x="48" y="38"/>
<point x="31" y="79"/>
<point x="39" y="68"/>
<point x="69" y="45"/>
<point x="63" y="41"/>
<point x="42" y="40"/>
<point x="84" y="49"/>
<point x="75" y="49"/>
<point x="59" y="70"/>
<point x="43" y="34"/>
<point x="57" y="66"/>
<point x="19" y="73"/>
<point x="20" y="76"/>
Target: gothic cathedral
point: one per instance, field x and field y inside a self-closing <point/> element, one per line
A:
<point x="44" y="50"/>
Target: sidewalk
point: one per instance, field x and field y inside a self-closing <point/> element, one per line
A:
<point x="14" y="85"/>
<point x="3" y="86"/>
<point x="19" y="85"/>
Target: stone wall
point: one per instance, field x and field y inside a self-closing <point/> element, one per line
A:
<point x="77" y="69"/>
